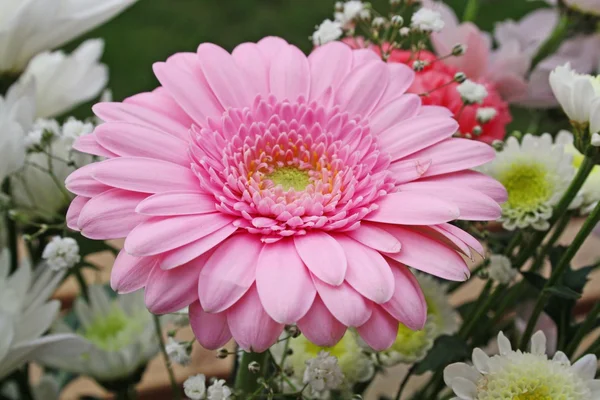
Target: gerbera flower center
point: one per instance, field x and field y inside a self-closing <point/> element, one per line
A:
<point x="290" y="177"/>
<point x="527" y="185"/>
<point x="113" y="330"/>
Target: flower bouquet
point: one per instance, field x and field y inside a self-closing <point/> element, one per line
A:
<point x="323" y="211"/>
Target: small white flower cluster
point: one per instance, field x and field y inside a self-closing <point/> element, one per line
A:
<point x="501" y="270"/>
<point x="50" y="128"/>
<point x="61" y="253"/>
<point x="344" y="17"/>
<point x="323" y="373"/>
<point x="178" y="352"/>
<point x="327" y="32"/>
<point x="472" y="92"/>
<point x="194" y="388"/>
<point x="427" y="20"/>
<point x="486" y="114"/>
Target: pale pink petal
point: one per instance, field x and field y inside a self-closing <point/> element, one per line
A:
<point x="289" y="76"/>
<point x="211" y="330"/>
<point x="145" y="175"/>
<point x="428" y="255"/>
<point x="444" y="236"/>
<point x="435" y="111"/>
<point x="130" y="273"/>
<point x="129" y="140"/>
<point x="409" y="170"/>
<point x="250" y="325"/>
<point x="83" y="184"/>
<point x="284" y="284"/>
<point x="271" y="46"/>
<point x="74" y="210"/>
<point x="323" y="256"/>
<point x="361" y="57"/>
<point x="188" y="252"/>
<point x="110" y="215"/>
<point x="474" y="62"/>
<point x="380" y="331"/>
<point x="345" y="303"/>
<point x="320" y="326"/>
<point x="89" y="144"/>
<point x="160" y="101"/>
<point x="251" y="61"/>
<point x="394" y="112"/>
<point x="401" y="77"/>
<point x="407" y="305"/>
<point x="160" y="234"/>
<point x="359" y="93"/>
<point x="465" y="237"/>
<point x="376" y="238"/>
<point x="368" y="272"/>
<point x="177" y="203"/>
<point x="329" y="64"/>
<point x="410" y="208"/>
<point x="473" y="180"/>
<point x="229" y="272"/>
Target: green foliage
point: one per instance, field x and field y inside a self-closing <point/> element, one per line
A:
<point x="446" y="350"/>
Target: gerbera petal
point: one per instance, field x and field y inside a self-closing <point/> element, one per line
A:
<point x="376" y="238"/>
<point x="329" y="64"/>
<point x="473" y="180"/>
<point x="323" y="256"/>
<point x="345" y="303"/>
<point x="160" y="234"/>
<point x="89" y="144"/>
<point x="74" y="210"/>
<point x="229" y="272"/>
<point x="289" y="76"/>
<point x="83" y="184"/>
<point x="368" y="272"/>
<point x="270" y="46"/>
<point x="211" y="330"/>
<point x="283" y="282"/>
<point x="252" y="328"/>
<point x="394" y="112"/>
<point x="145" y="175"/>
<point x="359" y="93"/>
<point x="407" y="304"/>
<point x="177" y="203"/>
<point x="251" y="60"/>
<point x="380" y="330"/>
<point x="401" y="77"/>
<point x="409" y="170"/>
<point x="410" y="208"/>
<point x="130" y="273"/>
<point x="160" y="101"/>
<point x="464" y="236"/>
<point x="320" y="326"/>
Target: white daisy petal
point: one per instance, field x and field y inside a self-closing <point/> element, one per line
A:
<point x="538" y="343"/>
<point x="481" y="361"/>
<point x="504" y="344"/>
<point x="464" y="388"/>
<point x="456" y="370"/>
<point x="586" y="367"/>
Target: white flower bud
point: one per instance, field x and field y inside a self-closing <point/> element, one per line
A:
<point x="405" y="31"/>
<point x="460" y="77"/>
<point x="596" y="139"/>
<point x="472" y="92"/>
<point x="427" y="20"/>
<point x="378" y="22"/>
<point x="397" y="20"/>
<point x="477" y="130"/>
<point x="486" y="114"/>
<point x="459" y="50"/>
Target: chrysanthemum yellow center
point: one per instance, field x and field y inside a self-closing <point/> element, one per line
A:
<point x="114" y="330"/>
<point x="527" y="185"/>
<point x="290" y="177"/>
<point x="540" y="393"/>
<point x="409" y="341"/>
<point x="337" y="351"/>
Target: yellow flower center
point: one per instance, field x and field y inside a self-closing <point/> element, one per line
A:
<point x="527" y="184"/>
<point x="290" y="177"/>
<point x="409" y="341"/>
<point x="114" y="330"/>
<point x="540" y="393"/>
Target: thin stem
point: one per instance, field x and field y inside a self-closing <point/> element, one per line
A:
<point x="471" y="11"/>
<point x="557" y="273"/>
<point x="558" y="231"/>
<point x="127" y="393"/>
<point x="11" y="231"/>
<point x="82" y="285"/>
<point x="22" y="379"/>
<point x="478" y="310"/>
<point x="457" y="285"/>
<point x="410" y="373"/>
<point x="246" y="381"/>
<point x="586" y="326"/>
<point x="553" y="42"/>
<point x="174" y="386"/>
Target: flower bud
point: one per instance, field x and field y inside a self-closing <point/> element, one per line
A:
<point x="397" y="20"/>
<point x="459" y="50"/>
<point x="254" y="367"/>
<point x="222" y="353"/>
<point x="460" y="77"/>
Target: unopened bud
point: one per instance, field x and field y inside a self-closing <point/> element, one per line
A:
<point x="222" y="353"/>
<point x="404" y="31"/>
<point x="460" y="77"/>
<point x="397" y="20"/>
<point x="517" y="134"/>
<point x="477" y="130"/>
<point x="339" y="6"/>
<point x="468" y="136"/>
<point x="395" y="2"/>
<point x="254" y="367"/>
<point x="498" y="145"/>
<point x="459" y="50"/>
<point x="288" y="370"/>
<point x="293" y="331"/>
<point x="419" y="65"/>
<point x="378" y="22"/>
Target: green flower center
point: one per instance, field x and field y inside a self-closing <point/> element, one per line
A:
<point x="540" y="393"/>
<point x="337" y="351"/>
<point x="527" y="185"/>
<point x="409" y="341"/>
<point x="290" y="177"/>
<point x="114" y="330"/>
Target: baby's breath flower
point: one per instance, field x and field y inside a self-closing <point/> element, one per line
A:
<point x="350" y="11"/>
<point x="218" y="390"/>
<point x="486" y="114"/>
<point x="194" y="387"/>
<point x="459" y="49"/>
<point x="427" y="20"/>
<point x="378" y="22"/>
<point x="323" y="373"/>
<point x="61" y="253"/>
<point x="328" y="31"/>
<point x="43" y="130"/>
<point x="74" y="128"/>
<point x="397" y="20"/>
<point x="500" y="269"/>
<point x="596" y="139"/>
<point x="405" y="31"/>
<point x="178" y="352"/>
<point x="472" y="92"/>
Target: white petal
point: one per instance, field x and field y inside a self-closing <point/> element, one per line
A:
<point x="481" y="360"/>
<point x="561" y="357"/>
<point x="504" y="344"/>
<point x="464" y="388"/>
<point x="538" y="343"/>
<point x="463" y="370"/>
<point x="586" y="366"/>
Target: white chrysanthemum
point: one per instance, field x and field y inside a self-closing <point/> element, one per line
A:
<point x="218" y="390"/>
<point x="353" y="362"/>
<point x="29" y="27"/>
<point x="323" y="373"/>
<point x="33" y="187"/>
<point x="350" y="11"/>
<point x="61" y="253"/>
<point x="26" y="314"/>
<point x="575" y="92"/>
<point x="472" y="92"/>
<point x="535" y="173"/>
<point x="120" y="332"/>
<point x="486" y="114"/>
<point x="327" y="32"/>
<point x="194" y="387"/>
<point x="65" y="81"/>
<point x="177" y="352"/>
<point x="427" y="20"/>
<point x="501" y="270"/>
<point x="412" y="346"/>
<point x="524" y="376"/>
<point x="590" y="191"/>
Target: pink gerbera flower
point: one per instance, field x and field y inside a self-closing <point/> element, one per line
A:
<point x="265" y="188"/>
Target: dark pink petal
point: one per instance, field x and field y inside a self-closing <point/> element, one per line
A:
<point x="89" y="144"/>
<point x="289" y="76"/>
<point x="250" y="325"/>
<point x="359" y="93"/>
<point x="410" y="208"/>
<point x="329" y="64"/>
<point x="284" y="284"/>
<point x="129" y="140"/>
<point x="130" y="273"/>
<point x="110" y="215"/>
<point x="368" y="272"/>
<point x="83" y="184"/>
<point x="188" y="252"/>
<point x="145" y="175"/>
<point x="428" y="255"/>
<point x="320" y="327"/>
<point x="380" y="331"/>
<point x="177" y="203"/>
<point x="160" y="234"/>
<point x="407" y="305"/>
<point x="74" y="210"/>
<point x="211" y="330"/>
<point x="346" y="304"/>
<point x="229" y="272"/>
<point x="473" y="180"/>
<point x="323" y="256"/>
<point x="376" y="238"/>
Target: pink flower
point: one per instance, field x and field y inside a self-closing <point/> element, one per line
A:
<point x="264" y="188"/>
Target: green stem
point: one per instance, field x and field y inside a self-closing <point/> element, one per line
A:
<point x="586" y="327"/>
<point x="83" y="287"/>
<point x="471" y="11"/>
<point x="246" y="381"/>
<point x="11" y="231"/>
<point x="553" y="42"/>
<point x="410" y="373"/>
<point x="127" y="393"/>
<point x="21" y="378"/>
<point x="479" y="309"/>
<point x="159" y="334"/>
<point x="558" y="231"/>
<point x="557" y="273"/>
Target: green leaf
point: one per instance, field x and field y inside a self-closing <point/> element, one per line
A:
<point x="564" y="292"/>
<point x="535" y="280"/>
<point x="446" y="350"/>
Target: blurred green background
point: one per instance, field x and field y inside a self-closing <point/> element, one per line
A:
<point x="151" y="30"/>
